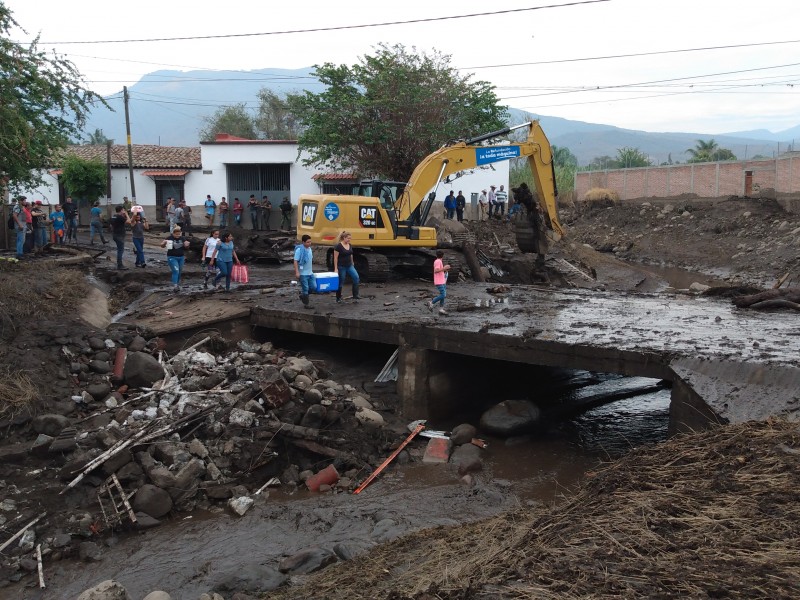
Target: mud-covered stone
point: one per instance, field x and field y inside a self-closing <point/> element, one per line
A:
<point x="511" y="417"/>
<point x="307" y="561"/>
<point x="50" y="424"/>
<point x="142" y="370"/>
<point x="463" y="434"/>
<point x="106" y="590"/>
<point x="152" y="500"/>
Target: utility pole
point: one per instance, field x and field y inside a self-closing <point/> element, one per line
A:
<point x="108" y="178"/>
<point x="130" y="148"/>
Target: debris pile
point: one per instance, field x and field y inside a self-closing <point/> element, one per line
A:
<point x="141" y="435"/>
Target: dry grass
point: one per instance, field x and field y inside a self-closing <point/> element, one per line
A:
<point x="17" y="393"/>
<point x="601" y="194"/>
<point x="709" y="515"/>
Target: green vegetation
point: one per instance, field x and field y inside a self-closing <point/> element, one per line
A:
<point x="382" y="116"/>
<point x="43" y="104"/>
<point x="709" y="152"/>
<point x="566" y="165"/>
<point x="98" y="138"/>
<point x="234" y="120"/>
<point x="83" y="179"/>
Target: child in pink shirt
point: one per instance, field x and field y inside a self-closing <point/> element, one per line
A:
<point x="440" y="272"/>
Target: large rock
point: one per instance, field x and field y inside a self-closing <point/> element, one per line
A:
<point x="307" y="561"/>
<point x="99" y="391"/>
<point x="142" y="370"/>
<point x="250" y="579"/>
<point x="467" y="459"/>
<point x="511" y="417"/>
<point x="157" y="595"/>
<point x="107" y="590"/>
<point x="50" y="424"/>
<point x="152" y="500"/>
<point x="463" y="434"/>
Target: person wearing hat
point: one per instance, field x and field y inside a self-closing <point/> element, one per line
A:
<point x="176" y="245"/>
<point x="482" y="205"/>
<point x="492" y="198"/>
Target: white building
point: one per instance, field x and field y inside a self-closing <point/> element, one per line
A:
<point x="231" y="167"/>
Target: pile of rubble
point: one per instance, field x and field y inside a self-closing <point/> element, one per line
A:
<point x="141" y="435"/>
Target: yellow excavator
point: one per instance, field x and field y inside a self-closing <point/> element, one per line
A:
<point x="387" y="218"/>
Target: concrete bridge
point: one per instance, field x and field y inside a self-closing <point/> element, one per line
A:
<point x="725" y="364"/>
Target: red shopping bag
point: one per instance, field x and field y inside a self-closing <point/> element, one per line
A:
<point x="239" y="274"/>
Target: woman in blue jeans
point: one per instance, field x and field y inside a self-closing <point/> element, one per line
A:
<point x="343" y="265"/>
<point x="176" y="245"/>
<point x="223" y="258"/>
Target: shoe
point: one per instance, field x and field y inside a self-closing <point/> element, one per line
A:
<point x="176" y="289"/>
<point x="338" y="301"/>
<point x="430" y="305"/>
<point x="121" y="268"/>
<point x="443" y="312"/>
<point x="143" y="265"/>
<point x="205" y="284"/>
<point x="218" y="288"/>
<point x="308" y="306"/>
<point x="356" y="298"/>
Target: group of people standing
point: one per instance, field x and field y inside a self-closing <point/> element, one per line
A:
<point x="30" y="223"/>
<point x="494" y="202"/>
<point x="261" y="213"/>
<point x="455" y="205"/>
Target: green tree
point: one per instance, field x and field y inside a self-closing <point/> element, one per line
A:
<point x="43" y="104"/>
<point x="563" y="157"/>
<point x="383" y="115"/>
<point x="601" y="163"/>
<point x="709" y="152"/>
<point x="628" y="158"/>
<point x="83" y="179"/>
<point x="98" y="138"/>
<point x="235" y="120"/>
<point x="274" y="120"/>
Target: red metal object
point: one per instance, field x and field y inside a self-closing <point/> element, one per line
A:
<point x="385" y="463"/>
<point x="119" y="363"/>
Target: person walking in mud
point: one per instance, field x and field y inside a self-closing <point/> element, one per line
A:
<point x="138" y="226"/>
<point x="303" y="268"/>
<point x="343" y="265"/>
<point x="176" y="245"/>
<point x="118" y="223"/>
<point x="223" y="258"/>
<point x="440" y="273"/>
<point x="96" y="223"/>
<point x="209" y="249"/>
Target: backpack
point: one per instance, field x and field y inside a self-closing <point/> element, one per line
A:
<point x="11" y="223"/>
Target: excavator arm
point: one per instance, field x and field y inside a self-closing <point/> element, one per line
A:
<point x="468" y="154"/>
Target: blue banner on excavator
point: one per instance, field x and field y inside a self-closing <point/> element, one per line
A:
<point x="490" y="154"/>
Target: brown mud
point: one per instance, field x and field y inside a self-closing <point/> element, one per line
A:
<point x="646" y="246"/>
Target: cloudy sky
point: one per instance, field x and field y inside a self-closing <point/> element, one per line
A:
<point x="708" y="66"/>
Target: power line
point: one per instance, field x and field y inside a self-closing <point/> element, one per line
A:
<point x="321" y="29"/>
<point x="633" y="55"/>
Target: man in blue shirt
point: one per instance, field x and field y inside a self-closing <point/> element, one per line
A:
<point x="211" y="208"/>
<point x="303" y="268"/>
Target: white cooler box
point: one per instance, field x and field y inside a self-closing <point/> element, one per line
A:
<point x="327" y="282"/>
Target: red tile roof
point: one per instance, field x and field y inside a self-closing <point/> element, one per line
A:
<point x="165" y="172"/>
<point x="334" y="176"/>
<point x="144" y="156"/>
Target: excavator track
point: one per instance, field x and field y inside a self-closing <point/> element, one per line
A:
<point x="371" y="266"/>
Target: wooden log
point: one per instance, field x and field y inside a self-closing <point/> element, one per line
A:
<point x="21" y="531"/>
<point x="470" y="255"/>
<point x="790" y="294"/>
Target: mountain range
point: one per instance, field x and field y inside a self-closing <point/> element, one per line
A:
<point x="168" y="108"/>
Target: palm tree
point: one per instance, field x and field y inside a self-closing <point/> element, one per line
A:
<point x="703" y="151"/>
<point x="97" y="138"/>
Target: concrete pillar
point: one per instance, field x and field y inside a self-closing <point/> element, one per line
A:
<point x="412" y="382"/>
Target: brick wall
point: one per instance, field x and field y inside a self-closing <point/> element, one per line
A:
<point x="707" y="180"/>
